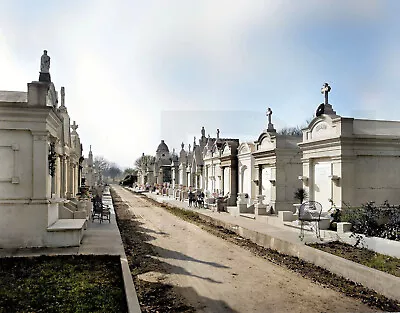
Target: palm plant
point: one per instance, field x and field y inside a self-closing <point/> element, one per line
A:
<point x="300" y="194"/>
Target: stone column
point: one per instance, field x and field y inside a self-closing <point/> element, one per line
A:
<point x="41" y="178"/>
<point x="222" y="184"/>
<point x="233" y="184"/>
<point x="260" y="179"/>
<point x="58" y="176"/>
<point x="68" y="178"/>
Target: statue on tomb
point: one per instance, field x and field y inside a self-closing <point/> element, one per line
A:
<point x="203" y="132"/>
<point x="45" y="63"/>
<point x="62" y="97"/>
<point x="269" y="113"/>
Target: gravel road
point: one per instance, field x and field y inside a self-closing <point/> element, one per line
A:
<point x="214" y="275"/>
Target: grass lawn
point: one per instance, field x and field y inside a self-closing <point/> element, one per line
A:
<point x="62" y="284"/>
<point x="362" y="256"/>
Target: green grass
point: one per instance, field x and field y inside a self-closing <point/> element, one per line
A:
<point x="362" y="256"/>
<point x="62" y="284"/>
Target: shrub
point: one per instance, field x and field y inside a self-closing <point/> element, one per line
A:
<point x="377" y="221"/>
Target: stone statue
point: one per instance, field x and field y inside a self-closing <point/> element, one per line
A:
<point x="217" y="133"/>
<point x="182" y="145"/>
<point x="269" y="113"/>
<point x="194" y="141"/>
<point x="45" y="63"/>
<point x="62" y="96"/>
<point x="203" y="132"/>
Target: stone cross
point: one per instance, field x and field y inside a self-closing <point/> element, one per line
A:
<point x="62" y="96"/>
<point x="270" y="125"/>
<point x="325" y="90"/>
<point x="74" y="126"/>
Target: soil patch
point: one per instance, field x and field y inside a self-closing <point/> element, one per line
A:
<point x="153" y="294"/>
<point x="362" y="256"/>
<point x="305" y="269"/>
<point x="62" y="284"/>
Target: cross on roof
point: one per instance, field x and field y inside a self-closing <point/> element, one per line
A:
<point x="74" y="126"/>
<point x="325" y="90"/>
<point x="269" y="113"/>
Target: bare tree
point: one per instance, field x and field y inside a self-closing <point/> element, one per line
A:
<point x="113" y="171"/>
<point x="144" y="159"/>
<point x="295" y="131"/>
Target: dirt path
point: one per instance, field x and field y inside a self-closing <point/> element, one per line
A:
<point x="217" y="276"/>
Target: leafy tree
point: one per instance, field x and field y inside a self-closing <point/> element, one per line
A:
<point x="129" y="171"/>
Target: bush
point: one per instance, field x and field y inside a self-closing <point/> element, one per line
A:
<point x="374" y="221"/>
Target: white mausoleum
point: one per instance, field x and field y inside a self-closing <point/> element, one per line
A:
<point x="350" y="161"/>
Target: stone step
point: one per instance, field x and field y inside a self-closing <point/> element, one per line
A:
<point x="66" y="233"/>
<point x="248" y="215"/>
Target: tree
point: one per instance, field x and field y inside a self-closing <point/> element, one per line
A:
<point x="144" y="159"/>
<point x="295" y="131"/>
<point x="129" y="171"/>
<point x="113" y="171"/>
<point x="101" y="164"/>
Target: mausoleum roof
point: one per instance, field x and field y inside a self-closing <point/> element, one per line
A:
<point x="162" y="147"/>
<point x="13" y="96"/>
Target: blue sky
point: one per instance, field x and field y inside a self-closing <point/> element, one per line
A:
<point x="136" y="72"/>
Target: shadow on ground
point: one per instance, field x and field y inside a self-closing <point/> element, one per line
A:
<point x="148" y="270"/>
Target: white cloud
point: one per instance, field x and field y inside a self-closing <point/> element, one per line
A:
<point x="119" y="62"/>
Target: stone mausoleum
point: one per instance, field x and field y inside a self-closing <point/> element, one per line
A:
<point x="350" y="161"/>
<point x="41" y="168"/>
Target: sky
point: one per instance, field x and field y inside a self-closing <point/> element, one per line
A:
<point x="136" y="72"/>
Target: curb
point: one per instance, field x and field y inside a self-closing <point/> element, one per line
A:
<point x="132" y="301"/>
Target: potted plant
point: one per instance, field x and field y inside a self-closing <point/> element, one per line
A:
<point x="300" y="194"/>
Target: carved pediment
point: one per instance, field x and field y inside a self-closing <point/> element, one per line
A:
<point x="321" y="129"/>
<point x="227" y="150"/>
<point x="267" y="144"/>
<point x="245" y="148"/>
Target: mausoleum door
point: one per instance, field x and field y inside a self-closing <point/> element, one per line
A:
<point x="322" y="186"/>
<point x="246" y="183"/>
<point x="226" y="180"/>
<point x="266" y="184"/>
